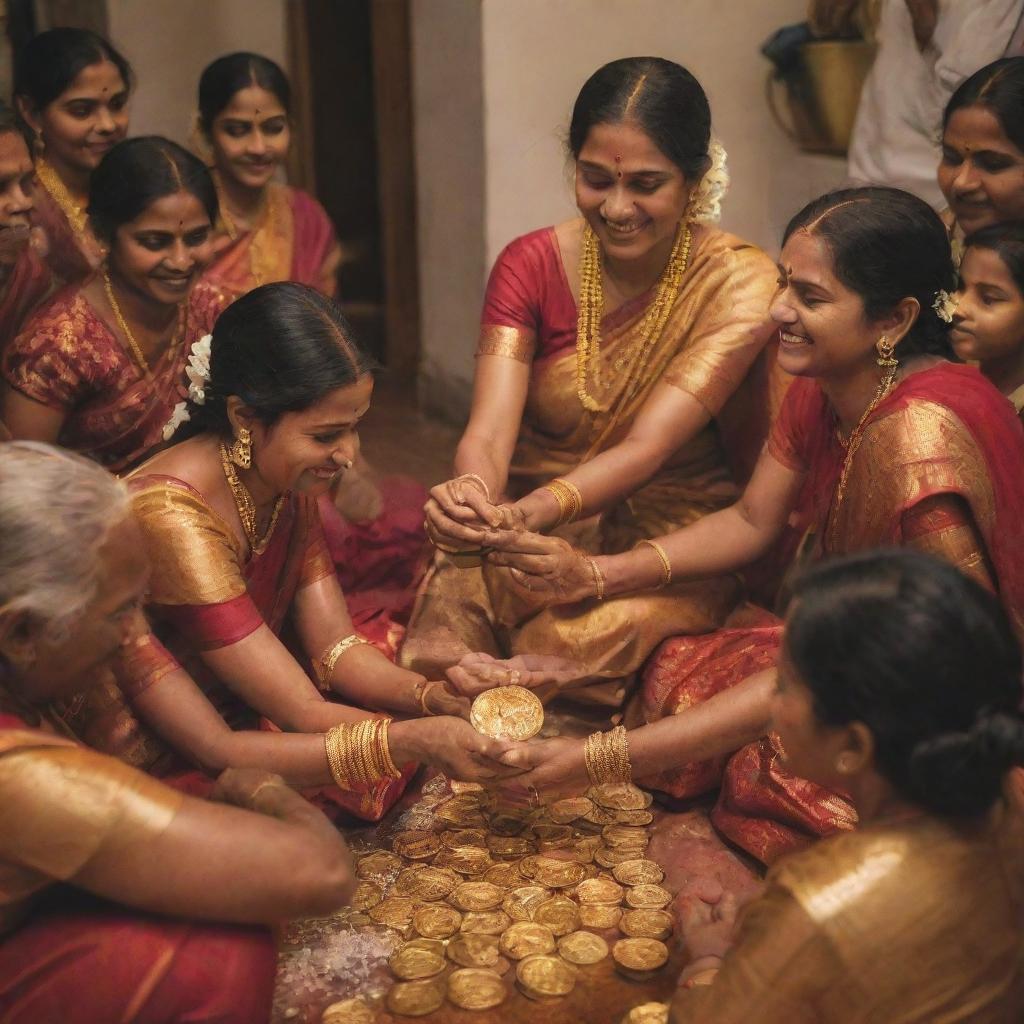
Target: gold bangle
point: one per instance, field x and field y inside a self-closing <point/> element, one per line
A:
<point x="666" y="565"/>
<point x="427" y="713"/>
<point x="599" y="581"/>
<point x="570" y="501"/>
<point x="385" y="750"/>
<point x="480" y="480"/>
<point x="335" y="760"/>
<point x="325" y="666"/>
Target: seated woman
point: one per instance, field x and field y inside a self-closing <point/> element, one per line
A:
<point x="274" y="232"/>
<point x="981" y="172"/>
<point x="25" y="279"/>
<point x="118" y="892"/>
<point x="988" y="314"/>
<point x="880" y="441"/>
<point x="100" y="367"/>
<point x="614" y="354"/>
<point x="71" y="88"/>
<point x="900" y="683"/>
<point x="241" y="578"/>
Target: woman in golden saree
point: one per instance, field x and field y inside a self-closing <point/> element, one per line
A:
<point x="880" y="442"/>
<point x="243" y="595"/>
<point x="71" y="88"/>
<point x="900" y="683"/>
<point x="118" y="892"/>
<point x="610" y="349"/>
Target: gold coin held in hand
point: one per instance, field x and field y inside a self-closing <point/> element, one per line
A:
<point x="507" y="713"/>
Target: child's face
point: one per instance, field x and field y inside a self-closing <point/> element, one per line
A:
<point x="988" y="325"/>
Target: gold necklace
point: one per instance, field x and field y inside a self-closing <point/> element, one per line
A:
<point x="591" y="309"/>
<point x="58" y="192"/>
<point x="127" y="332"/>
<point x="856" y="435"/>
<point x="246" y="507"/>
<point x="266" y="214"/>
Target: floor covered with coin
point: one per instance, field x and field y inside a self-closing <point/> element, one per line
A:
<point x="469" y="906"/>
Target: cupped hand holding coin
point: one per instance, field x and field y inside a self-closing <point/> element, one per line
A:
<point x="552" y="767"/>
<point x="452" y="746"/>
<point x="476" y="673"/>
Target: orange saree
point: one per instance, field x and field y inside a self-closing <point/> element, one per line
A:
<point x="716" y="331"/>
<point x="205" y="595"/>
<point x="938" y="469"/>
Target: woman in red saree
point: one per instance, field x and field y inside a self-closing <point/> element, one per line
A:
<point x="243" y="593"/>
<point x="913" y="451"/>
<point x="71" y="88"/>
<point x="619" y="353"/>
<point x="123" y="899"/>
<point x="101" y="367"/>
<point x="274" y="232"/>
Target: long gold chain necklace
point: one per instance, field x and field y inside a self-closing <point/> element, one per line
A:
<point x="246" y="507"/>
<point x="58" y="192"/>
<point x="856" y="436"/>
<point x="591" y="310"/>
<point x="127" y="331"/>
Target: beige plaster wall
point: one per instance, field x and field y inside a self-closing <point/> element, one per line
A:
<point x="169" y="42"/>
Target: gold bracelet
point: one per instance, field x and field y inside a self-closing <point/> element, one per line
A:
<point x="570" y="501"/>
<point x="335" y="761"/>
<point x="666" y="565"/>
<point x="480" y="480"/>
<point x="606" y="756"/>
<point x="330" y="657"/>
<point x="599" y="581"/>
<point x="427" y="713"/>
<point x="384" y="747"/>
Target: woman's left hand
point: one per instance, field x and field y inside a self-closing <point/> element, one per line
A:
<point x="550" y="767"/>
<point x="548" y="568"/>
<point x="476" y="673"/>
<point x="454" y="747"/>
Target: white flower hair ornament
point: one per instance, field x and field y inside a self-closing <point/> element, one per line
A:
<point x="706" y="200"/>
<point x="198" y="373"/>
<point x="944" y="305"/>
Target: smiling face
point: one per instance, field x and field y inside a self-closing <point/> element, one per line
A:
<point x="823" y="330"/>
<point x="160" y="254"/>
<point x="988" y="325"/>
<point x="306" y="451"/>
<point x="981" y="173"/>
<point x="629" y="192"/>
<point x="86" y="120"/>
<point x="15" y="194"/>
<point x="59" y="668"/>
<point x="250" y="137"/>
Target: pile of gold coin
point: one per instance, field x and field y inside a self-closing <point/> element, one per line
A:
<point x="501" y="898"/>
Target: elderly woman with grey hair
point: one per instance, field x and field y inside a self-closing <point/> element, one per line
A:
<point x="72" y="576"/>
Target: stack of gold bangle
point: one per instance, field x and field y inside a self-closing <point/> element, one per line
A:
<point x="599" y="581"/>
<point x="325" y="666"/>
<point x="358" y="753"/>
<point x="666" y="565"/>
<point x="607" y="757"/>
<point x="570" y="501"/>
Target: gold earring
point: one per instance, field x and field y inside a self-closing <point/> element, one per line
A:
<point x="240" y="452"/>
<point x="886" y="354"/>
<point x="844" y="764"/>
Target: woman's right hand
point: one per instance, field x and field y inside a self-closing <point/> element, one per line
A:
<point x="549" y="569"/>
<point x="457" y="513"/>
<point x="549" y="767"/>
<point x="454" y="747"/>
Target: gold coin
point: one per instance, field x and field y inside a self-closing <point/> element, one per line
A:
<point x="647" y="1013"/>
<point x="559" y="913"/>
<point x="416" y="844"/>
<point x="612" y="858"/>
<point x="348" y="1011"/>
<point x="507" y="713"/>
<point x="470" y="949"/>
<point x="638" y="872"/>
<point x="564" y="812"/>
<point x="395" y="911"/>
<point x="413" y="961"/>
<point x="485" y="922"/>
<point x="599" y="890"/>
<point x="557" y="874"/>
<point x="506" y="876"/>
<point x="436" y="921"/>
<point x="476" y="896"/>
<point x="648" y="897"/>
<point x="416" y="998"/>
<point x="545" y="976"/>
<point x="620" y="796"/>
<point x="634" y="818"/>
<point x="526" y="939"/>
<point x="464" y="837"/>
<point x="367" y="895"/>
<point x="640" y="954"/>
<point x="617" y="837"/>
<point x="509" y="846"/>
<point x="462" y="811"/>
<point x="599" y="915"/>
<point x="425" y="882"/>
<point x="646" y="924"/>
<point x="466" y="860"/>
<point x="474" y="989"/>
<point x="582" y="948"/>
<point x="520" y="904"/>
<point x="528" y="865"/>
<point x="379" y="864"/>
<point x="600" y="816"/>
<point x="510" y="823"/>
